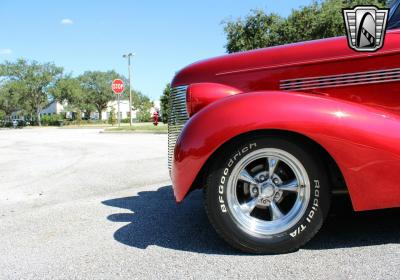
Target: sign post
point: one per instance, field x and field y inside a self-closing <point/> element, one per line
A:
<point x="130" y="84"/>
<point x="117" y="87"/>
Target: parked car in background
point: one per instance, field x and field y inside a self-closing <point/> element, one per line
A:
<point x="19" y="123"/>
<point x="14" y="123"/>
<point x="270" y="134"/>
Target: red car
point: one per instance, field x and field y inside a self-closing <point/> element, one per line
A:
<point x="270" y="134"/>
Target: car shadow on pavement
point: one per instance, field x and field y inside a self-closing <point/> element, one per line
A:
<point x="345" y="228"/>
<point x="154" y="218"/>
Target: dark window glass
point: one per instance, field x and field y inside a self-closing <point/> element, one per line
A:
<point x="394" y="21"/>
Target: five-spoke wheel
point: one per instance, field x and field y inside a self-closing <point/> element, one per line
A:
<point x="267" y="194"/>
<point x="268" y="191"/>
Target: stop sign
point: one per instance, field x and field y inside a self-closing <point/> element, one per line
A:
<point x="117" y="86"/>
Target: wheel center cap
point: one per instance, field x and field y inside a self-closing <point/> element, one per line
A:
<point x="268" y="191"/>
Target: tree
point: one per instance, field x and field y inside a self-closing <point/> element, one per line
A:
<point x="258" y="29"/>
<point x="143" y="105"/>
<point x="320" y="19"/>
<point x="10" y="97"/>
<point x="165" y="103"/>
<point x="34" y="81"/>
<point x="69" y="90"/>
<point x="97" y="87"/>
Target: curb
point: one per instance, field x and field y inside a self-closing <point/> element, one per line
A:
<point x="133" y="132"/>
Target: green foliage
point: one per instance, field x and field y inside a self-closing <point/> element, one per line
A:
<point x="320" y="19"/>
<point x="78" y="116"/>
<point x="258" y="29"/>
<point x="164" y="100"/>
<point x="97" y="87"/>
<point x="85" y="122"/>
<point x="10" y="97"/>
<point x="53" y="120"/>
<point x="141" y="127"/>
<point x="143" y="115"/>
<point x="142" y="104"/>
<point x="126" y="120"/>
<point x="32" y="81"/>
<point x="2" y="115"/>
<point x="70" y="91"/>
<point x="112" y="117"/>
<point x="29" y="86"/>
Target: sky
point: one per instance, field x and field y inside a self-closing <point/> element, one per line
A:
<point x="93" y="35"/>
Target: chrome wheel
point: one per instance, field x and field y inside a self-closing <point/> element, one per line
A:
<point x="268" y="192"/>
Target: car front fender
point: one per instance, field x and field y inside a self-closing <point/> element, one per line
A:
<point x="364" y="141"/>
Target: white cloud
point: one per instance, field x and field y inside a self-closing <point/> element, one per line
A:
<point x="5" y="51"/>
<point x="67" y="21"/>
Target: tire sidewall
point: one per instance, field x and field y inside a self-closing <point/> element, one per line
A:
<point x="288" y="240"/>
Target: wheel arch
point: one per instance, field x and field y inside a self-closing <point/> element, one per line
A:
<point x="336" y="178"/>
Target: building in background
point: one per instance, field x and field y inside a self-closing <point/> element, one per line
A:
<point x="124" y="110"/>
<point x="56" y="108"/>
<point x="53" y="108"/>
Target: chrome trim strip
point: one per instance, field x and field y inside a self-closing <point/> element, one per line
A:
<point x="349" y="79"/>
<point x="178" y="116"/>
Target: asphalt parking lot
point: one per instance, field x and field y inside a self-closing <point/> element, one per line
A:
<point x="79" y="204"/>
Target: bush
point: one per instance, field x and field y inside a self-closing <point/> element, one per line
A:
<point x="112" y="118"/>
<point x="85" y="122"/>
<point x="52" y="120"/>
<point x="6" y="123"/>
<point x="143" y="115"/>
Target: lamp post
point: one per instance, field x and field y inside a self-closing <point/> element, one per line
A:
<point x="128" y="56"/>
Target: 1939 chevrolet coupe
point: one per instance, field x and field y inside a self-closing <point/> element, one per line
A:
<point x="270" y="134"/>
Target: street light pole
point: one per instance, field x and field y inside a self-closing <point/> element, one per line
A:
<point x="130" y="84"/>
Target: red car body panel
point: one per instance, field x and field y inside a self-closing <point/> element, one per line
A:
<point x="202" y="94"/>
<point x="358" y="124"/>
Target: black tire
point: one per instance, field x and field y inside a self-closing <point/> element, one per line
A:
<point x="221" y="216"/>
